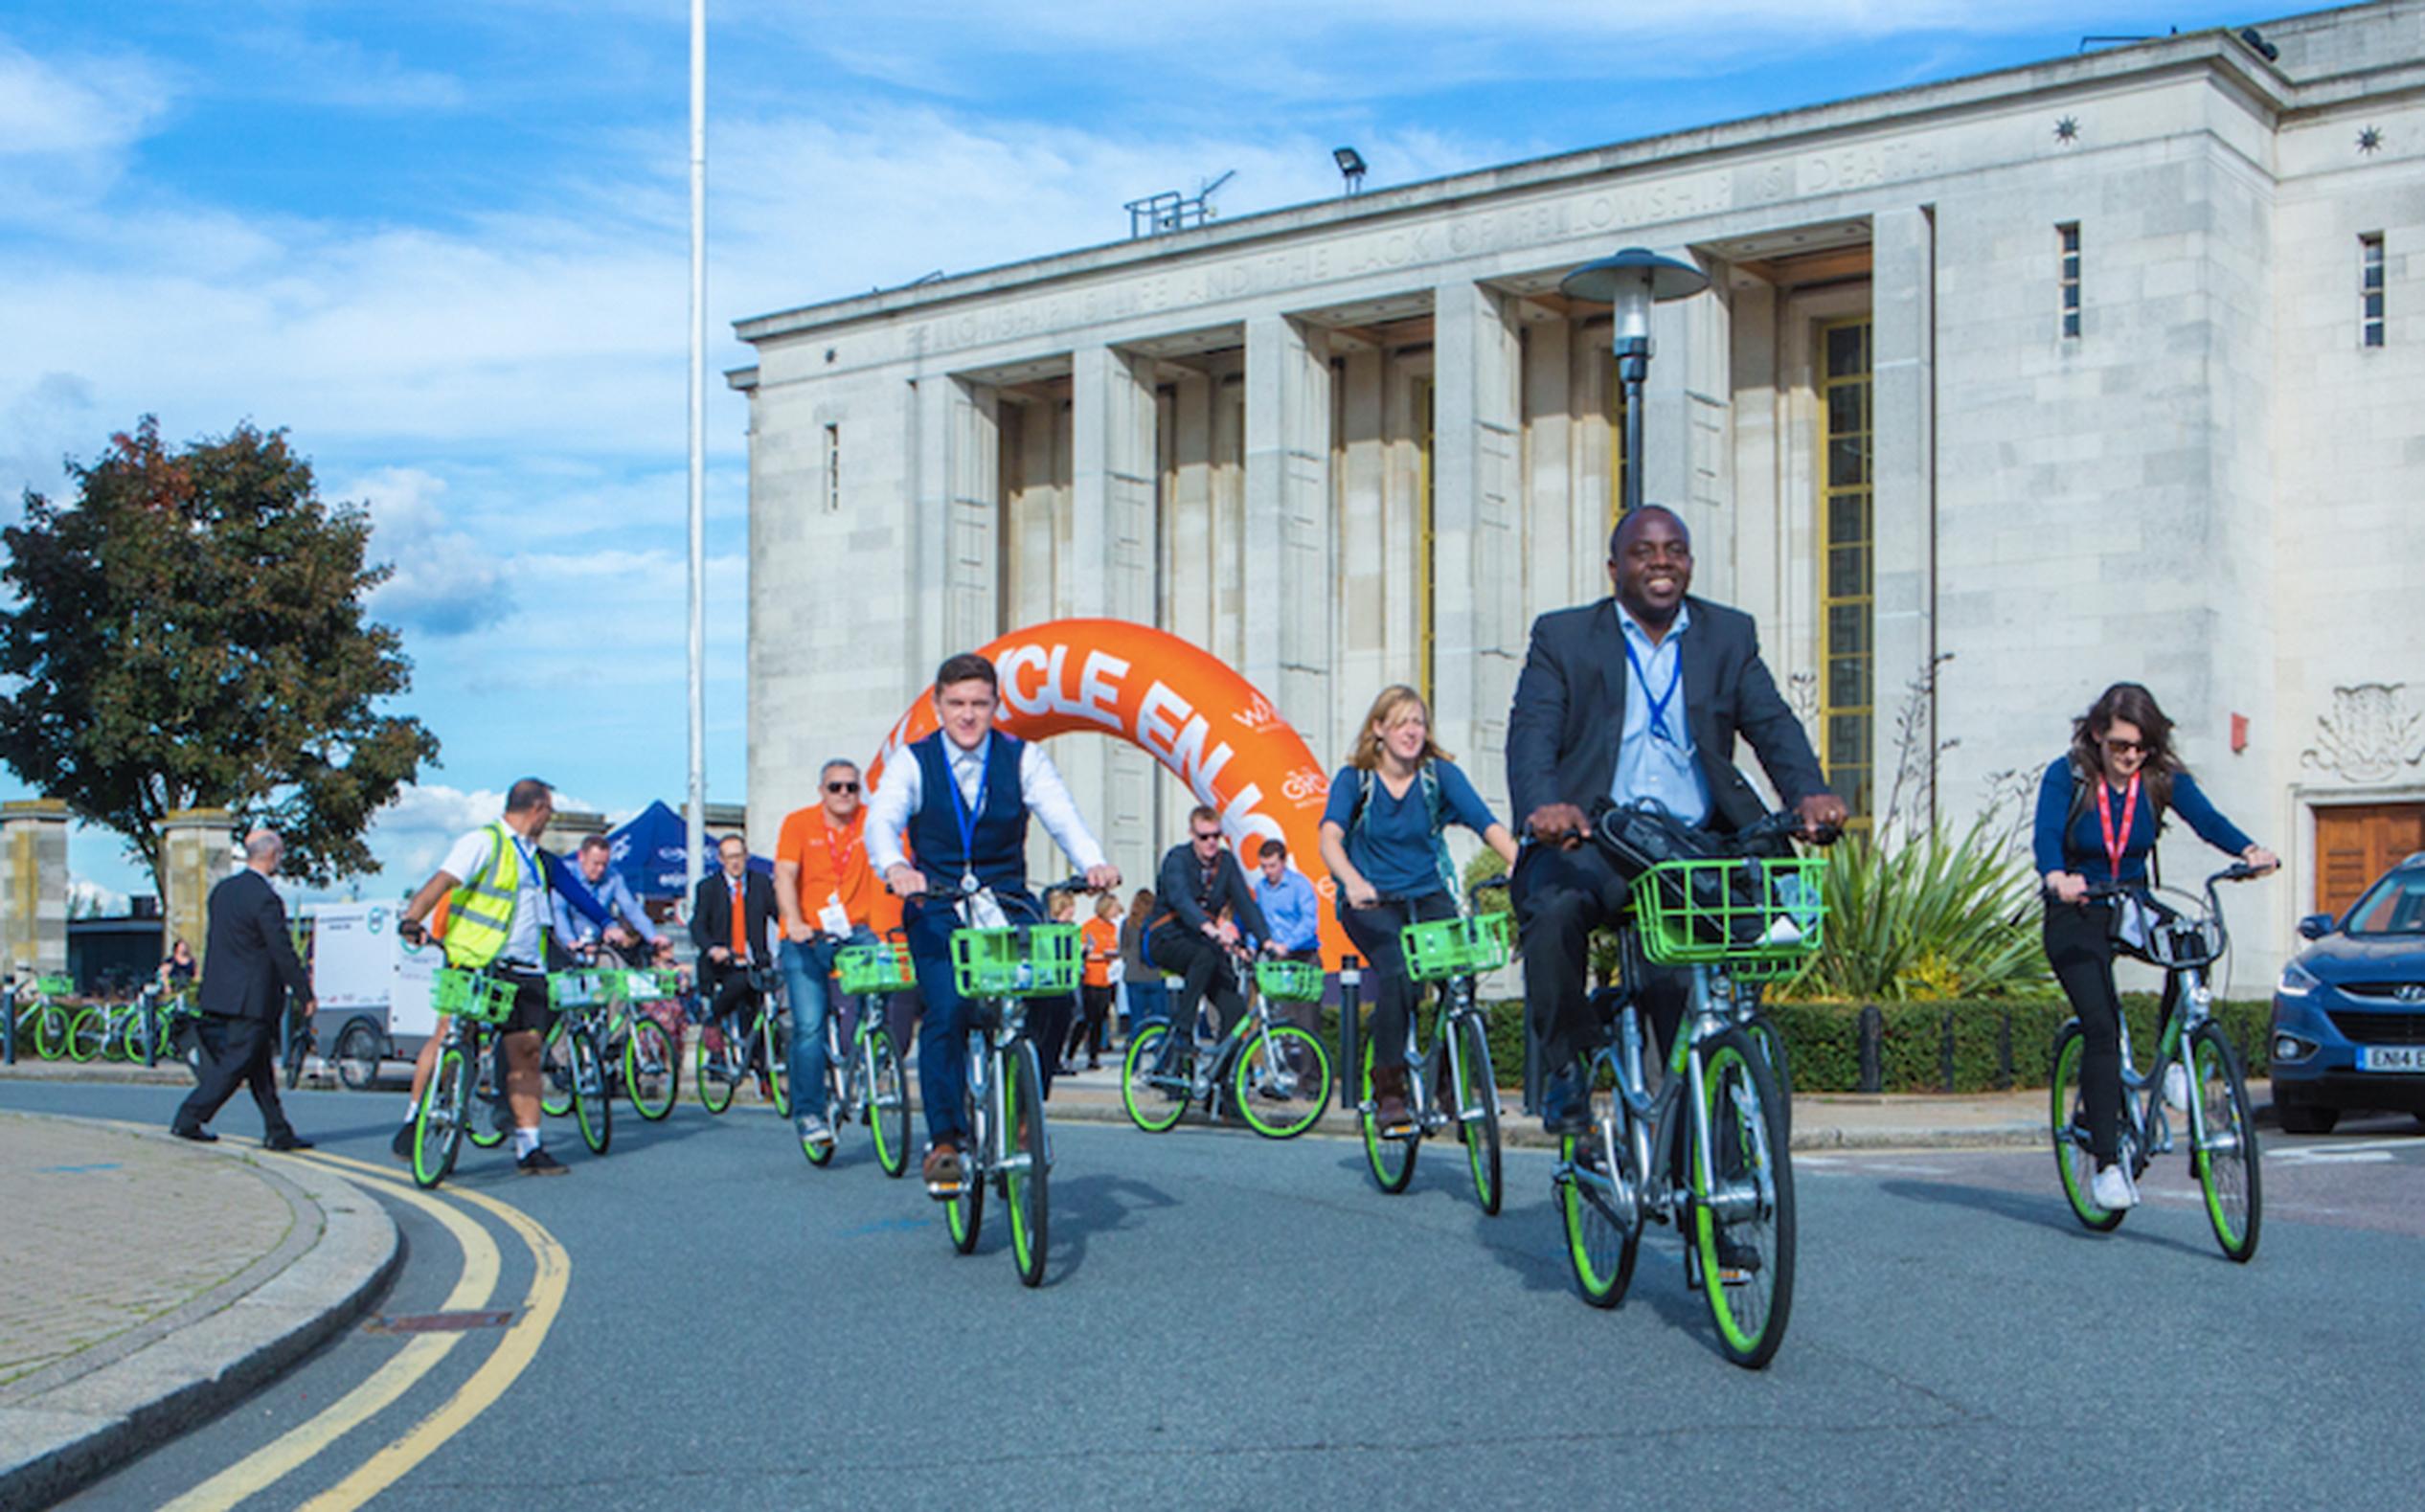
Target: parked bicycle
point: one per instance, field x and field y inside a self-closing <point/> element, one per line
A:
<point x="868" y="1085"/>
<point x="2185" y="936"/>
<point x="1452" y="952"/>
<point x="43" y="998"/>
<point x="1273" y="1073"/>
<point x="1708" y="1149"/>
<point x="458" y="1100"/>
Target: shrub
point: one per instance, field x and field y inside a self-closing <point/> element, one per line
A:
<point x="1937" y="917"/>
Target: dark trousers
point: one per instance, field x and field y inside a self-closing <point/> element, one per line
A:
<point x="1561" y="897"/>
<point x="943" y="1034"/>
<point x="1092" y="1031"/>
<point x="2079" y="945"/>
<point x="1374" y="931"/>
<point x="1204" y="970"/>
<point x="236" y="1052"/>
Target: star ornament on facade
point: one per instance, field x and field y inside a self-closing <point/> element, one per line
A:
<point x="2067" y="130"/>
<point x="2370" y="140"/>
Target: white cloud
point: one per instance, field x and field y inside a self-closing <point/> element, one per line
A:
<point x="409" y="836"/>
<point x="84" y="113"/>
<point x="445" y="580"/>
<point x="88" y="899"/>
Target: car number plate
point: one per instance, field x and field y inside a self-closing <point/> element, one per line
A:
<point x="2392" y="1057"/>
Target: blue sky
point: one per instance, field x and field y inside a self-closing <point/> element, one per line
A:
<point x="444" y="245"/>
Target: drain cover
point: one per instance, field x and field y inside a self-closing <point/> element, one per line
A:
<point x="436" y="1322"/>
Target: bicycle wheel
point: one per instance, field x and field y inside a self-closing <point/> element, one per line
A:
<point x="774" y="1042"/>
<point x="965" y="1213"/>
<point x="438" y="1126"/>
<point x="2225" y="1153"/>
<point x="652" y="1072"/>
<point x="1392" y="1159"/>
<point x="87" y="1034"/>
<point x="2069" y="1119"/>
<point x="593" y="1107"/>
<point x="555" y="1068"/>
<point x="298" y="1050"/>
<point x="1281" y="1081"/>
<point x="50" y="1031"/>
<point x="1155" y="1102"/>
<point x="143" y="1036"/>
<point x="1478" y="1088"/>
<point x="1603" y="1218"/>
<point x="358" y="1056"/>
<point x="1743" y="1225"/>
<point x="1027" y="1183"/>
<point x="888" y="1104"/>
<point x="482" y="1115"/>
<point x="716" y="1075"/>
<point x="1770" y="1042"/>
<point x="820" y="1152"/>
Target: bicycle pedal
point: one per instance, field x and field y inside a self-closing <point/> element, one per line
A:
<point x="943" y="1192"/>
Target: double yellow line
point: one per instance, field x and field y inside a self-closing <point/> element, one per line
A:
<point x="551" y="1272"/>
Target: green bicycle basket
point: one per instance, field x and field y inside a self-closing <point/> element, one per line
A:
<point x="1758" y="917"/>
<point x="1031" y="960"/>
<point x="54" y="986"/>
<point x="473" y="995"/>
<point x="1289" y="981"/>
<point x="578" y="989"/>
<point x="1455" y="947"/>
<point x="873" y="968"/>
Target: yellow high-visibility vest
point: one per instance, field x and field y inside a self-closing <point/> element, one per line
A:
<point x="480" y="913"/>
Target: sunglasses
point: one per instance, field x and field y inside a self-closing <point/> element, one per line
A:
<point x="1201" y="837"/>
<point x="2111" y="744"/>
<point x="842" y="787"/>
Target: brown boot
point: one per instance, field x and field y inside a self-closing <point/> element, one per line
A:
<point x="943" y="1171"/>
<point x="1389" y="1100"/>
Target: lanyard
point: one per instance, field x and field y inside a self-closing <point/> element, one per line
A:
<point x="2114" y="842"/>
<point x="965" y="813"/>
<point x="836" y="860"/>
<point x="1658" y="702"/>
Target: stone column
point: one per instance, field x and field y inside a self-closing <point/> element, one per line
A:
<point x="34" y="887"/>
<point x="198" y="851"/>
<point x="1559" y="528"/>
<point x="957" y="501"/>
<point x="1287" y="568"/>
<point x="1903" y="496"/>
<point x="1478" y="628"/>
<point x="1112" y="540"/>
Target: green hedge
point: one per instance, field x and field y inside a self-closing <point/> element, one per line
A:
<point x="1823" y="1040"/>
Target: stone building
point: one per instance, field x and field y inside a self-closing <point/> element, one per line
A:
<point x="2102" y="367"/>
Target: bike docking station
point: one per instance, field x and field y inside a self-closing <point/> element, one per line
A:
<point x="1350" y="1033"/>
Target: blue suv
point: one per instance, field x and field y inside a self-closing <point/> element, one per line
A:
<point x="2349" y="1012"/>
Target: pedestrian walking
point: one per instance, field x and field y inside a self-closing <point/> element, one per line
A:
<point x="251" y="969"/>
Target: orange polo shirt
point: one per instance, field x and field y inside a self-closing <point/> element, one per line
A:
<point x="1103" y="948"/>
<point x="833" y="863"/>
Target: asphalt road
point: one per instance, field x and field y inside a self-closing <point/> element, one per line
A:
<point x="1231" y="1323"/>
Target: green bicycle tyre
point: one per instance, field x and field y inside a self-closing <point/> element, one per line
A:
<point x="1770" y="1042"/>
<point x="2224" y="1152"/>
<point x="2069" y="1119"/>
<point x="1153" y="1104"/>
<point x="652" y="1068"/>
<point x="50" y="1031"/>
<point x="481" y="1127"/>
<point x="1392" y="1161"/>
<point x="1748" y="1143"/>
<point x="1027" y="1187"/>
<point x="438" y="1124"/>
<point x="715" y="1072"/>
<point x="593" y="1104"/>
<point x="1604" y="1232"/>
<point x="965" y="1214"/>
<point x="555" y="1068"/>
<point x="1281" y="1081"/>
<point x="820" y="1153"/>
<point x="87" y="1034"/>
<point x="144" y="1043"/>
<point x="1480" y="1089"/>
<point x="888" y="1104"/>
<point x="774" y="1042"/>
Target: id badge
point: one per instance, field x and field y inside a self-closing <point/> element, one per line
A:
<point x="834" y="918"/>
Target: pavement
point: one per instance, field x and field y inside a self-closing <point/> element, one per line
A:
<point x="153" y="1282"/>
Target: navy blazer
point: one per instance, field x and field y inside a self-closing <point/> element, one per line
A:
<point x="248" y="955"/>
<point x="1570" y="712"/>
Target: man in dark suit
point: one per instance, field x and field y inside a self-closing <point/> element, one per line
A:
<point x="248" y="967"/>
<point x="732" y="914"/>
<point x="1639" y="697"/>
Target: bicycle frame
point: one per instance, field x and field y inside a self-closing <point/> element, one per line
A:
<point x="1458" y="1005"/>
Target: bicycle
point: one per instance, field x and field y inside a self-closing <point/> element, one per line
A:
<point x="1452" y="952"/>
<point x="298" y="1044"/>
<point x="1732" y="920"/>
<point x="869" y="1085"/>
<point x="724" y="1066"/>
<point x="112" y="1030"/>
<point x="1275" y="1075"/>
<point x="997" y="970"/>
<point x="52" y="1019"/>
<point x="2223" y="1156"/>
<point x="475" y="1006"/>
<point x="641" y="1056"/>
<point x="572" y="1064"/>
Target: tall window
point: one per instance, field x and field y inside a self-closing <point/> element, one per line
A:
<point x="2371" y="289"/>
<point x="1847" y="672"/>
<point x="834" y="469"/>
<point x="1426" y="573"/>
<point x="2066" y="239"/>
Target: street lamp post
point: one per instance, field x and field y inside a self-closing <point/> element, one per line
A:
<point x="1630" y="282"/>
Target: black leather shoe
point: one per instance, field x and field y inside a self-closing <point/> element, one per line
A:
<point x="1565" y="1107"/>
<point x="289" y="1140"/>
<point x="197" y="1133"/>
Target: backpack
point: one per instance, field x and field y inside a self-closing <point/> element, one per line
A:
<point x="1433" y="804"/>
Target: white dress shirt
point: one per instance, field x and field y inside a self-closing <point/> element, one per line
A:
<point x="1047" y="797"/>
<point x="1659" y="763"/>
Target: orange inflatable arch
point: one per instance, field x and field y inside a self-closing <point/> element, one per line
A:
<point x="1179" y="704"/>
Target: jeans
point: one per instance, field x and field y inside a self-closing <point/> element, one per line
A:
<point x="808" y="978"/>
<point x="1147" y="1000"/>
<point x="942" y="1036"/>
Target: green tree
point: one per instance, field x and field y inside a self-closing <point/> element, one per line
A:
<point x="189" y="633"/>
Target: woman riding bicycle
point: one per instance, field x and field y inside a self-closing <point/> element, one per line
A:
<point x="1381" y="838"/>
<point x="2100" y="809"/>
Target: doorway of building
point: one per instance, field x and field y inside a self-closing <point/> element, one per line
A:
<point x="2356" y="843"/>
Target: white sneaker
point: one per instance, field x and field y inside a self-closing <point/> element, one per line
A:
<point x="814" y="1130"/>
<point x="2112" y="1189"/>
<point x="2176" y="1088"/>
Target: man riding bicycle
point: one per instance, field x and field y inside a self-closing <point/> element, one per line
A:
<point x="964" y="795"/>
<point x="1638" y="698"/>
<point x="625" y="924"/>
<point x="829" y="897"/>
<point x="731" y="918"/>
<point x="1189" y="940"/>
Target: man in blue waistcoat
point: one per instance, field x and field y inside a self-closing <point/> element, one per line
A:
<point x="963" y="797"/>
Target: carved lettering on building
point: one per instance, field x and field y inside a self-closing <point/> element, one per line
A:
<point x="2371" y="731"/>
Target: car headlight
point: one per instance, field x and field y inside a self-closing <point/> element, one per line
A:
<point x="2297" y="981"/>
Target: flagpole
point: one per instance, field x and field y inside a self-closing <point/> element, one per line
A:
<point x="693" y="868"/>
